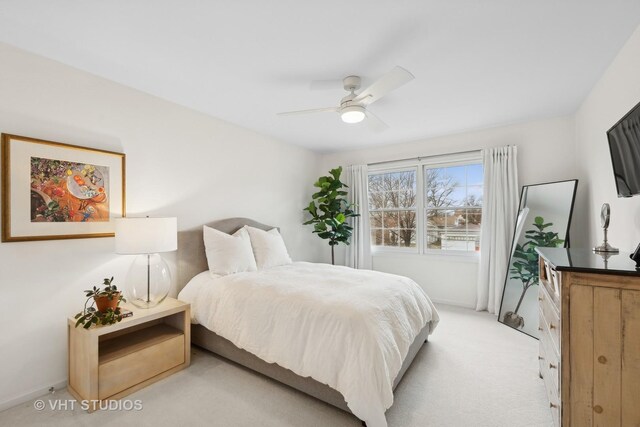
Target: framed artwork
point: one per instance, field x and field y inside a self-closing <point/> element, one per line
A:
<point x="54" y="191"/>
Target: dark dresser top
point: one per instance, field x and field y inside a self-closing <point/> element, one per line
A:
<point x="587" y="261"/>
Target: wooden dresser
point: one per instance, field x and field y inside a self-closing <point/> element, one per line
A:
<point x="590" y="337"/>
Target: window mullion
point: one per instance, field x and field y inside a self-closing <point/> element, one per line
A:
<point x="420" y="210"/>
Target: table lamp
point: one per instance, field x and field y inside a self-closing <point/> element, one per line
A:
<point x="149" y="279"/>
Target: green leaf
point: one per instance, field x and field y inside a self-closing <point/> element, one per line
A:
<point x="320" y="226"/>
<point x="79" y="322"/>
<point x="336" y="173"/>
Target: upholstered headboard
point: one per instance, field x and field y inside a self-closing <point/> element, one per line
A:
<point x="191" y="256"/>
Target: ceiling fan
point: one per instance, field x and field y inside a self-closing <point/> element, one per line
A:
<point x="353" y="107"/>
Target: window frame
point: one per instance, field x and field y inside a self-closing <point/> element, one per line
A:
<point x="416" y="209"/>
<point x="418" y="165"/>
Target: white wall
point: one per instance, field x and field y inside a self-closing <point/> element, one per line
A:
<point x="615" y="93"/>
<point x="546" y="153"/>
<point x="179" y="163"/>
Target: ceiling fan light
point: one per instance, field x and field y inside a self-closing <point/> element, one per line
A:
<point x="352" y="114"/>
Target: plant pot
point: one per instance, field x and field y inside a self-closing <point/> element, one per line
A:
<point x="104" y="303"/>
<point x="513" y="319"/>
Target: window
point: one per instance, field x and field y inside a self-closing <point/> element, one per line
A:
<point x="453" y="207"/>
<point x="392" y="208"/>
<point x="427" y="207"/>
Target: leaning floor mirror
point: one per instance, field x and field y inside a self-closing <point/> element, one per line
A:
<point x="544" y="218"/>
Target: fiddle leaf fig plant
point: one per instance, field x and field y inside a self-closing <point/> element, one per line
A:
<point x="330" y="210"/>
<point x="524" y="266"/>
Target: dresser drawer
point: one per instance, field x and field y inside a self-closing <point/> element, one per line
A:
<point x="555" y="407"/>
<point x="549" y="317"/>
<point x="550" y="378"/>
<point x="549" y="358"/>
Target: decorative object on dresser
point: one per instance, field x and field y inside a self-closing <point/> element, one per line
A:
<point x="635" y="256"/>
<point x="110" y="362"/>
<point x="107" y="309"/>
<point x="149" y="278"/>
<point x="590" y="337"/>
<point x="330" y="214"/>
<point x="605" y="216"/>
<point x="545" y="213"/>
<point x="52" y="190"/>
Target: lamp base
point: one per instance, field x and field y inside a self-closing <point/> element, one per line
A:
<point x="148" y="281"/>
<point x="606" y="248"/>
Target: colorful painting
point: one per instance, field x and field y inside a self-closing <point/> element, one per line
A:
<point x="52" y="190"/>
<point x="64" y="191"/>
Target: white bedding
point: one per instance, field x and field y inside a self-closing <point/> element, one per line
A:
<point x="349" y="329"/>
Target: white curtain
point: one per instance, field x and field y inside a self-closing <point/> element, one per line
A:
<point x="358" y="253"/>
<point x="498" y="222"/>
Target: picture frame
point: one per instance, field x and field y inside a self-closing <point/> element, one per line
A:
<point x="52" y="190"/>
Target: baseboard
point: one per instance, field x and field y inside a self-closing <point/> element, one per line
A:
<point x="42" y="391"/>
<point x="455" y="303"/>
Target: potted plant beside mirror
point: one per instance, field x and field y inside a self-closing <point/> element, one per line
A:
<point x="525" y="263"/>
<point x="107" y="309"/>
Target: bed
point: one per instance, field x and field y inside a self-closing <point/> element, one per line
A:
<point x="192" y="266"/>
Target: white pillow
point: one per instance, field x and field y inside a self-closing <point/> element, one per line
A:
<point x="268" y="248"/>
<point x="228" y="254"/>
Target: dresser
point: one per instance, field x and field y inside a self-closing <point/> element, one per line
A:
<point x="589" y="351"/>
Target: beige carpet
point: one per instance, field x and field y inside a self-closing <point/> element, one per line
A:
<point x="473" y="372"/>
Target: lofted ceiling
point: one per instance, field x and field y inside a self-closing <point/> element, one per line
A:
<point x="476" y="63"/>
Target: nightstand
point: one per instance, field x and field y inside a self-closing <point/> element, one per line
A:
<point x="110" y="362"/>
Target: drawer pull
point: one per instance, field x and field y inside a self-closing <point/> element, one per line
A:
<point x="540" y="358"/>
<point x="553" y="405"/>
<point x="552" y="326"/>
<point x="597" y="409"/>
<point x="602" y="359"/>
<point x="540" y="328"/>
<point x="552" y="366"/>
<point x="540" y="299"/>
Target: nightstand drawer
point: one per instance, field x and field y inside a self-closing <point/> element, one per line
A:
<point x="125" y="367"/>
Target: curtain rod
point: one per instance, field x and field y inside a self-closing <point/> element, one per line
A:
<point x="424" y="157"/>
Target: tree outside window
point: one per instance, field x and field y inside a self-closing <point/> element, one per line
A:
<point x="453" y="207"/>
<point x="392" y="208"/>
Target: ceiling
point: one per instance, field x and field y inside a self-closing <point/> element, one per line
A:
<point x="477" y="63"/>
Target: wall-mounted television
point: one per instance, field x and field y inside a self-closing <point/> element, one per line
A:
<point x="624" y="145"/>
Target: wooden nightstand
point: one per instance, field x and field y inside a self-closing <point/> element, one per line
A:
<point x="110" y="362"/>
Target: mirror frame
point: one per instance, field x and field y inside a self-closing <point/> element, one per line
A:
<point x="513" y="239"/>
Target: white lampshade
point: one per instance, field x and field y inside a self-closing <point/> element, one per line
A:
<point x="146" y="235"/>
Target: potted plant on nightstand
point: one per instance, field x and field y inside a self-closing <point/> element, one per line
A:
<point x="107" y="309"/>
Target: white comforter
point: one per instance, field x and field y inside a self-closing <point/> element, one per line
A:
<point x="349" y="329"/>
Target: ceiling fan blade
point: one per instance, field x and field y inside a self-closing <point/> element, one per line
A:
<point x="385" y="84"/>
<point x="315" y="110"/>
<point x="326" y="85"/>
<point x="374" y="123"/>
